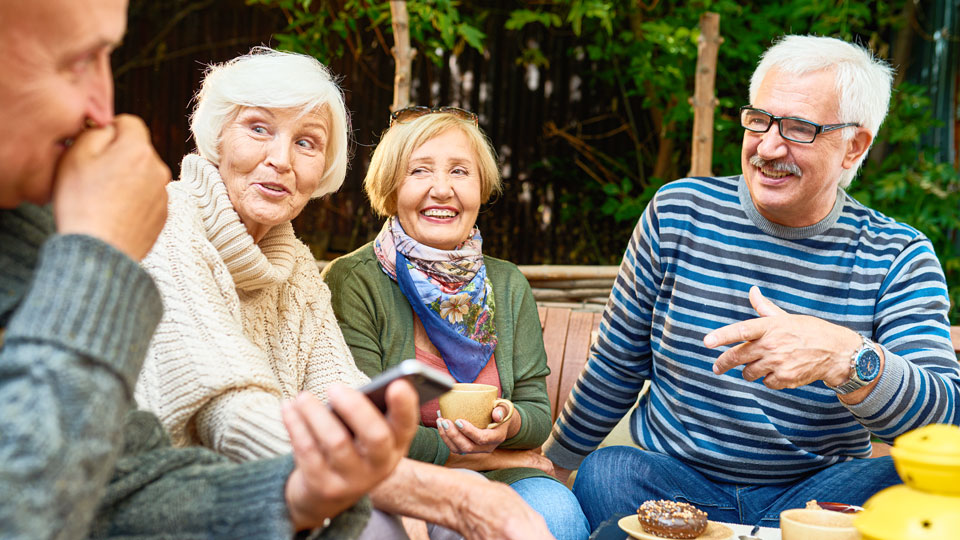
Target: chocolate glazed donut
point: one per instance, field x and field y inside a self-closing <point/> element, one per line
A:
<point x="670" y="519"/>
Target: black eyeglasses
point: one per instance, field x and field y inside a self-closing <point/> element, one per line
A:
<point x="791" y="129"/>
<point x="407" y="114"/>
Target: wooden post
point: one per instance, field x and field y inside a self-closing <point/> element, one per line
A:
<point x="703" y="95"/>
<point x="402" y="54"/>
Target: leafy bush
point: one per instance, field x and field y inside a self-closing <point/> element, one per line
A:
<point x="907" y="185"/>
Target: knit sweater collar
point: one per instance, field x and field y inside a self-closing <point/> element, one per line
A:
<point x="782" y="231"/>
<point x="253" y="266"/>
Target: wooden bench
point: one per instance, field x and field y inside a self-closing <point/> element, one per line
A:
<point x="567" y="336"/>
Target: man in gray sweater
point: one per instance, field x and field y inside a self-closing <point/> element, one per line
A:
<point x="77" y="313"/>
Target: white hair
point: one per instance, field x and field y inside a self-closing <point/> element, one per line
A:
<point x="272" y="80"/>
<point x="863" y="82"/>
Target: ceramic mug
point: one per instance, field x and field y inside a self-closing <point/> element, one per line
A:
<point x="813" y="524"/>
<point x="474" y="403"/>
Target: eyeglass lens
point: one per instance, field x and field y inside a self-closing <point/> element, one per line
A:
<point x="790" y="128"/>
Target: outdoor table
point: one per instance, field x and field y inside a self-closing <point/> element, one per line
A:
<point x="609" y="530"/>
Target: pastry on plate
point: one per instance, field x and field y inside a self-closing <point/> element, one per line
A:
<point x="670" y="519"/>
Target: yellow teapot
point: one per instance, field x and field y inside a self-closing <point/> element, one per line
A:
<point x="927" y="506"/>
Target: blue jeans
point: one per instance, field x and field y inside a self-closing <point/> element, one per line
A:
<point x="616" y="479"/>
<point x="557" y="505"/>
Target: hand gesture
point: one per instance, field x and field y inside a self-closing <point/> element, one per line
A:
<point x="342" y="451"/>
<point x="786" y="351"/>
<point x="462" y="437"/>
<point x="111" y="184"/>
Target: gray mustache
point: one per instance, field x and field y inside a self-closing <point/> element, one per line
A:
<point x="780" y="166"/>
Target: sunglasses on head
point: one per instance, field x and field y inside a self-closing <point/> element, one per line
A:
<point x="407" y="114"/>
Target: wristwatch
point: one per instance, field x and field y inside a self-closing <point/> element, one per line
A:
<point x="864" y="368"/>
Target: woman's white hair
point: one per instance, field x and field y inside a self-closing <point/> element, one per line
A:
<point x="863" y="82"/>
<point x="272" y="80"/>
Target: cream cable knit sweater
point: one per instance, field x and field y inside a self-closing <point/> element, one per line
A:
<point x="245" y="326"/>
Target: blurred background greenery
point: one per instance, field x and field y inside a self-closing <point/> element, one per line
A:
<point x="587" y="101"/>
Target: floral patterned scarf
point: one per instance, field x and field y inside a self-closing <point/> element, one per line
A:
<point x="450" y="293"/>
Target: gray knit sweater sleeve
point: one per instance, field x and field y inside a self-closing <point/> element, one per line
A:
<point x="78" y="316"/>
<point x="159" y="492"/>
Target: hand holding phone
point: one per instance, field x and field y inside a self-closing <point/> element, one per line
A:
<point x="429" y="382"/>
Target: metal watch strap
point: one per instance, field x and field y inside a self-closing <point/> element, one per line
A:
<point x="854" y="382"/>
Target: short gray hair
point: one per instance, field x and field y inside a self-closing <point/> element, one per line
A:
<point x="272" y="80"/>
<point x="863" y="82"/>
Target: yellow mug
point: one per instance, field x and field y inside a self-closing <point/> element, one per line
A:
<point x="474" y="403"/>
<point x="813" y="524"/>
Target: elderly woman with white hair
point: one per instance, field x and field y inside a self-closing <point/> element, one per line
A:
<point x="248" y="323"/>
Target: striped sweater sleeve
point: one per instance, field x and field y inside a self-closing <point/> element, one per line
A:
<point x="921" y="380"/>
<point x="620" y="361"/>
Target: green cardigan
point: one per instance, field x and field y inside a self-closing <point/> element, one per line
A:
<point x="377" y="323"/>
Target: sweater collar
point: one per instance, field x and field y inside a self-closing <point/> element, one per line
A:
<point x="252" y="266"/>
<point x="782" y="231"/>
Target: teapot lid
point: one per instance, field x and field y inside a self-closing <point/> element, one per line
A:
<point x="903" y="513"/>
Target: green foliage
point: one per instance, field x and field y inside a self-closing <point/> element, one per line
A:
<point x="608" y="167"/>
<point x="912" y="188"/>
<point x="327" y="30"/>
<point x="651" y="55"/>
<point x="596" y="11"/>
<point x="624" y="204"/>
<point x="522" y="17"/>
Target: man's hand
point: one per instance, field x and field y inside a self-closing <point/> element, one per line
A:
<point x="343" y="451"/>
<point x="111" y="184"/>
<point x="787" y="351"/>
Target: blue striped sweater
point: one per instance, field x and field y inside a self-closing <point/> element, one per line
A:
<point x="699" y="247"/>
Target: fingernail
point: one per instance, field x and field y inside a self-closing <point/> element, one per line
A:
<point x="716" y="369"/>
<point x="445" y="424"/>
<point x="438" y="413"/>
<point x="459" y="424"/>
<point x="710" y="340"/>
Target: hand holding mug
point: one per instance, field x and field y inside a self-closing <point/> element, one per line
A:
<point x="473" y="420"/>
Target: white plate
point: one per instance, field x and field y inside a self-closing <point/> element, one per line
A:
<point x="714" y="530"/>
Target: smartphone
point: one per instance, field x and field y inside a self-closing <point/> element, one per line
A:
<point x="429" y="382"/>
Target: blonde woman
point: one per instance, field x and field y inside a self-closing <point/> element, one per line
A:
<point x="423" y="289"/>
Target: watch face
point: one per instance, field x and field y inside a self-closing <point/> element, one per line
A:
<point x="868" y="365"/>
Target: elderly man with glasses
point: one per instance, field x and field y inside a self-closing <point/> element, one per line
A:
<point x="780" y="322"/>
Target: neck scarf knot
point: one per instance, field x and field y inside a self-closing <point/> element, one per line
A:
<point x="449" y="292"/>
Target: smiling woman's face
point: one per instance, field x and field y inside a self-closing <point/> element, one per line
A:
<point x="271" y="162"/>
<point x="439" y="197"/>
